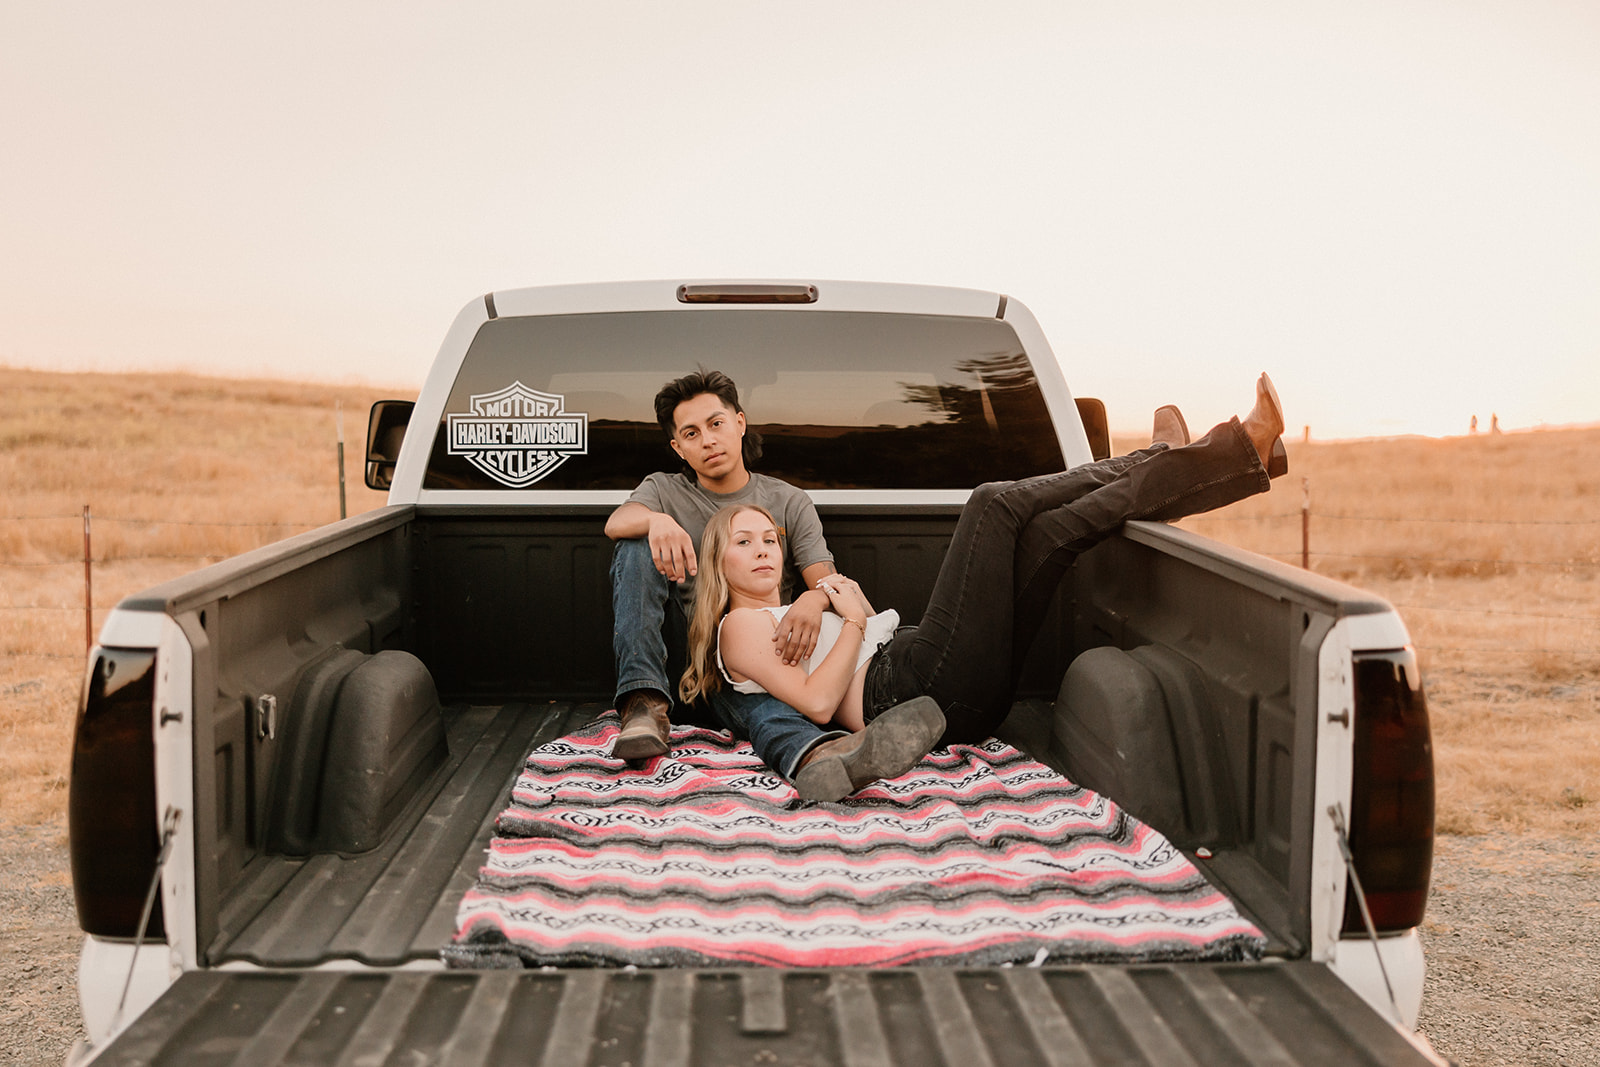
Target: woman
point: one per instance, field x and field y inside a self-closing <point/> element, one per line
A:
<point x="1011" y="546"/>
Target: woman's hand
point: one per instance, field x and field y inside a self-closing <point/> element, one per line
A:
<point x="846" y="597"/>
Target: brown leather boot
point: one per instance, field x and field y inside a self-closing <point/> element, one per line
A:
<point x="1264" y="426"/>
<point x="891" y="745"/>
<point x="1169" y="427"/>
<point x="645" y="726"/>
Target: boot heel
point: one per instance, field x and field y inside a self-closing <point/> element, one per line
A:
<point x="1278" y="461"/>
<point x="824" y="779"/>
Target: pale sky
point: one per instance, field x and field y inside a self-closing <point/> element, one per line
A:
<point x="1394" y="207"/>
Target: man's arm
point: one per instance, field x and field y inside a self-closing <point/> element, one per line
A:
<point x="796" y="633"/>
<point x="629" y="521"/>
<point x="670" y="544"/>
<point x="814" y="574"/>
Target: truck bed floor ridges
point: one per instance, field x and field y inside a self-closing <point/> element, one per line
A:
<point x="1255" y="1043"/>
<point x="861" y="1039"/>
<point x="294" y="1014"/>
<point x="763" y="1012"/>
<point x="572" y="1037"/>
<point x="667" y="1036"/>
<point x="953" y="1024"/>
<point x="1140" y="1018"/>
<point x="472" y="1041"/>
<point x="371" y="1045"/>
<point x="1052" y="1031"/>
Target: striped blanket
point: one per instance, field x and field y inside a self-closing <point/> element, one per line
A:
<point x="704" y="857"/>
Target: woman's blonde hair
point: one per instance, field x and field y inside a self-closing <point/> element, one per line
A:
<point x="711" y="597"/>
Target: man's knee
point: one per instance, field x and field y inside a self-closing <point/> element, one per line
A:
<point x="636" y="586"/>
<point x="631" y="558"/>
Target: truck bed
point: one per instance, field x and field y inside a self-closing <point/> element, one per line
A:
<point x="397" y="903"/>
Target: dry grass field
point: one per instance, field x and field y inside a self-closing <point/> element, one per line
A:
<point x="1490" y="546"/>
<point x="178" y="472"/>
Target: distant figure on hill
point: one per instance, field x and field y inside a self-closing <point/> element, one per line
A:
<point x="1474" y="427"/>
<point x="1494" y="423"/>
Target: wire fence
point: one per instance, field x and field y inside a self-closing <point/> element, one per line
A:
<point x="89" y="559"/>
<point x="1584" y="563"/>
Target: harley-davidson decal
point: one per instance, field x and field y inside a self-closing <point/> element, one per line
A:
<point x="518" y="435"/>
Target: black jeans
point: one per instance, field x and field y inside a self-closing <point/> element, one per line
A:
<point x="1011" y="547"/>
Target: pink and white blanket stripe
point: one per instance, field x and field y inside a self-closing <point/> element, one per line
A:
<point x="704" y="857"/>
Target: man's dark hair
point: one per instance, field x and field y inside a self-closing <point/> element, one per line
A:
<point x="700" y="382"/>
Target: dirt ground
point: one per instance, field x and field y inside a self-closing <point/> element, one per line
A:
<point x="1512" y="937"/>
<point x="39" y="940"/>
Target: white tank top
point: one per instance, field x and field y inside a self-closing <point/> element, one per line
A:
<point x="880" y="628"/>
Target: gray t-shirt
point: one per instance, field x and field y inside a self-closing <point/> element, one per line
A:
<point x="692" y="506"/>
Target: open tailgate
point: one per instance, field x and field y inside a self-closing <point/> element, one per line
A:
<point x="1191" y="1013"/>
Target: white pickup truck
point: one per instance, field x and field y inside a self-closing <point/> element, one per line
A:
<point x="287" y="765"/>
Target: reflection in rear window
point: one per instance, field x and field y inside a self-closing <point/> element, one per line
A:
<point x="843" y="400"/>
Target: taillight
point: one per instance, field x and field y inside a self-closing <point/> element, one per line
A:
<point x="1391" y="794"/>
<point x="111" y="806"/>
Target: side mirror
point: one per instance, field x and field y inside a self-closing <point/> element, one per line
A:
<point x="1092" y="413"/>
<point x="386" y="430"/>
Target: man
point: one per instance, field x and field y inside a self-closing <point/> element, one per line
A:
<point x="652" y="570"/>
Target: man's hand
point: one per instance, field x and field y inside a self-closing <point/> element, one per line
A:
<point x="671" y="547"/>
<point x="796" y="633"/>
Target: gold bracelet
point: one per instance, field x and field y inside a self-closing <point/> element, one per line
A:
<point x="858" y="625"/>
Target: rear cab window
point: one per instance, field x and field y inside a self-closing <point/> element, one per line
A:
<point x="842" y="399"/>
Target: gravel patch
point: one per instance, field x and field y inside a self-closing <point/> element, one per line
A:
<point x="1512" y="939"/>
<point x="39" y="939"/>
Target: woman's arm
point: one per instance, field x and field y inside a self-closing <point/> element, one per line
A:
<point x="746" y="646"/>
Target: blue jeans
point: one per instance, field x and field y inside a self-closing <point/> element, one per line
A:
<point x="641" y="601"/>
<point x="780" y="735"/>
<point x="1011" y="547"/>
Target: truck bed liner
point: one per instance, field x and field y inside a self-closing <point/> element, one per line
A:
<point x="397" y="903"/>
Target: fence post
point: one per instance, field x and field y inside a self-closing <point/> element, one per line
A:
<point x="88" y="587"/>
<point x="1305" y="524"/>
<point x="339" y="408"/>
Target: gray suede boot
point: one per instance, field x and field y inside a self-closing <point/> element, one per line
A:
<point x="890" y="746"/>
